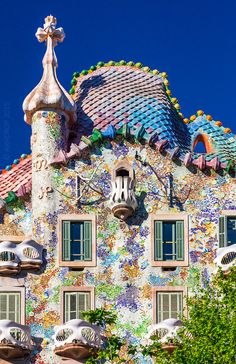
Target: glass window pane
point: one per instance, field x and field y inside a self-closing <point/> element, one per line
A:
<point x="168" y="228"/>
<point x="76" y="244"/>
<point x="76" y="251"/>
<point x="231" y="230"/>
<point x="75" y="230"/>
<point x="168" y="251"/>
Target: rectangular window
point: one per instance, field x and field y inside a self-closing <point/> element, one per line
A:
<point x="75" y="303"/>
<point x="10" y="306"/>
<point x="170" y="240"/>
<point x="77" y="240"/>
<point x="168" y="305"/>
<point x="227" y="231"/>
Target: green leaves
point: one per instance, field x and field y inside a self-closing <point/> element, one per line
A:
<point x="100" y="317"/>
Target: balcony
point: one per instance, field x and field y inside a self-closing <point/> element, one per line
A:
<point x="76" y="339"/>
<point x="16" y="257"/>
<point x="226" y="258"/>
<point x="15" y="340"/>
<point x="123" y="202"/>
<point x="166" y="331"/>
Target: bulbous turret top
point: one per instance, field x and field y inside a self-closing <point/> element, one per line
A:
<point x="49" y="93"/>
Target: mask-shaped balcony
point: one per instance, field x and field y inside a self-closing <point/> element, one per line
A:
<point x="166" y="331"/>
<point x="76" y="339"/>
<point x="15" y="340"/>
<point x="15" y="257"/>
<point x="226" y="258"/>
<point x="123" y="202"/>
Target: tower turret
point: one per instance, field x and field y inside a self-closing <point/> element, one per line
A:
<point x="50" y="110"/>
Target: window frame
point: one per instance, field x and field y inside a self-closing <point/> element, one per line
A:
<point x="82" y="263"/>
<point x="225" y="214"/>
<point x="75" y="289"/>
<point x="21" y="290"/>
<point x="168" y="289"/>
<point x="170" y="217"/>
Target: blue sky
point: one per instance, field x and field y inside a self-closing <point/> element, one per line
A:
<point x="193" y="41"/>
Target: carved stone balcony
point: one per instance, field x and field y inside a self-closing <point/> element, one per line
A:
<point x="166" y="331"/>
<point x="123" y="202"/>
<point x="15" y="340"/>
<point x="76" y="339"/>
<point x="226" y="258"/>
<point x="15" y="257"/>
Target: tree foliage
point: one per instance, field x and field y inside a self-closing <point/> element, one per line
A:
<point x="113" y="349"/>
<point x="209" y="333"/>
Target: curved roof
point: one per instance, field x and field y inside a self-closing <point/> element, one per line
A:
<point x="120" y="95"/>
<point x="131" y="100"/>
<point x="124" y="95"/>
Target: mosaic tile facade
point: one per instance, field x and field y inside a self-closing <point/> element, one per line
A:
<point x="123" y="113"/>
<point x="124" y="277"/>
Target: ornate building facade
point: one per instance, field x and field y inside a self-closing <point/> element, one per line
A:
<point x="115" y="208"/>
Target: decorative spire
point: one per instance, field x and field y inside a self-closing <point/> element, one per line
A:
<point x="49" y="93"/>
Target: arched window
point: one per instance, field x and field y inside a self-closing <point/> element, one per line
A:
<point x="202" y="144"/>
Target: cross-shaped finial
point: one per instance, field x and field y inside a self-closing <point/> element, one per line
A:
<point x="49" y="30"/>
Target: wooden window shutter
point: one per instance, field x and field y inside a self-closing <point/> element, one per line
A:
<point x="3" y="306"/>
<point x="14" y="307"/>
<point x="87" y="240"/>
<point x="66" y="307"/>
<point x="158" y="247"/>
<point x="66" y="243"/>
<point x="179" y="240"/>
<point x="222" y="231"/>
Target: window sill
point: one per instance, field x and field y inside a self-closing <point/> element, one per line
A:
<point x="174" y="263"/>
<point x="71" y="264"/>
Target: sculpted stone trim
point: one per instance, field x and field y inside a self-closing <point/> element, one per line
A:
<point x="15" y="341"/>
<point x="172" y="217"/>
<point x="79" y="217"/>
<point x="76" y="339"/>
<point x="14" y="257"/>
